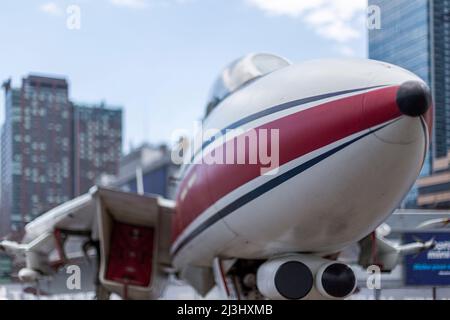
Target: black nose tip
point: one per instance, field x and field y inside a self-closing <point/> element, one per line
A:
<point x="414" y="98"/>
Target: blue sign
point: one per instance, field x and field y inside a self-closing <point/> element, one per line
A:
<point x="432" y="267"/>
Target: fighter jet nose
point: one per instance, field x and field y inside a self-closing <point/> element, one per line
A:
<point x="414" y="98"/>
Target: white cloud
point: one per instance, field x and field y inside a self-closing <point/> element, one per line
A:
<point x="286" y="7"/>
<point x="338" y="20"/>
<point x="133" y="4"/>
<point x="346" y="51"/>
<point x="51" y="8"/>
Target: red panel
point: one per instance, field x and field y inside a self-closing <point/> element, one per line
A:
<point x="300" y="134"/>
<point x="381" y="106"/>
<point x="131" y="254"/>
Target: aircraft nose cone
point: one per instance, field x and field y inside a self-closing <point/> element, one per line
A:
<point x="414" y="98"/>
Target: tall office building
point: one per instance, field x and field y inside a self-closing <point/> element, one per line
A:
<point x="97" y="145"/>
<point x="36" y="148"/>
<point x="415" y="34"/>
<point x="441" y="74"/>
<point x="51" y="149"/>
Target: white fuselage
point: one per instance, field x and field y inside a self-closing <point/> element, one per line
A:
<point x="347" y="158"/>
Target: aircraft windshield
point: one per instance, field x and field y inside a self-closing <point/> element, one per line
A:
<point x="240" y="73"/>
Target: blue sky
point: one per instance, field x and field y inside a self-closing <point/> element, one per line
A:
<point x="158" y="58"/>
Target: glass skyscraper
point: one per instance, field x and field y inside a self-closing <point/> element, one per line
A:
<point x="415" y="35"/>
<point x="440" y="48"/>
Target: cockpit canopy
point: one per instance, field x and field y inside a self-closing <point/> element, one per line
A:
<point x="240" y="73"/>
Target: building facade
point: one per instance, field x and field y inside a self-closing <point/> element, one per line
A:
<point x="37" y="144"/>
<point x="415" y="35"/>
<point x="97" y="145"/>
<point x="45" y="160"/>
<point x="434" y="190"/>
<point x="440" y="47"/>
<point x="147" y="169"/>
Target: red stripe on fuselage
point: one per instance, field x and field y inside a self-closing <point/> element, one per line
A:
<point x="299" y="134"/>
